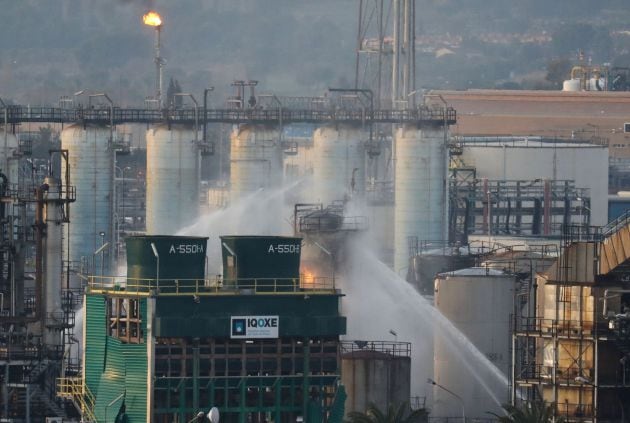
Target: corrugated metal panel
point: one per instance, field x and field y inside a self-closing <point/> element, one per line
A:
<point x="95" y="337"/>
<point x="113" y="368"/>
<point x="112" y="382"/>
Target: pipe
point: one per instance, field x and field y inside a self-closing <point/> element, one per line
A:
<point x="40" y="226"/>
<point x="205" y="113"/>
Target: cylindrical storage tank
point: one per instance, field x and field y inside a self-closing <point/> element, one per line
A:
<point x="375" y="373"/>
<point x="420" y="189"/>
<point x="173" y="166"/>
<point x="478" y="302"/>
<point x="255" y="160"/>
<point x="427" y="266"/>
<point x="91" y="163"/>
<point x="571" y="85"/>
<point x="165" y="259"/>
<point x="268" y="262"/>
<point x="9" y="153"/>
<point x="53" y="250"/>
<point x="338" y="163"/>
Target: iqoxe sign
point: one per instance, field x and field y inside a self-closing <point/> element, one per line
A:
<point x="252" y="327"/>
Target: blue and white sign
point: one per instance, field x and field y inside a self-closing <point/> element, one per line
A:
<point x="252" y="327"/>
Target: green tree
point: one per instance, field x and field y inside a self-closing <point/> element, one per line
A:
<point x="400" y="413"/>
<point x="534" y="412"/>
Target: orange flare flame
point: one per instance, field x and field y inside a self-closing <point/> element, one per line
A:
<point x="152" y="18"/>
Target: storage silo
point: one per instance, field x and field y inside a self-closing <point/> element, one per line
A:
<point x="420" y="189"/>
<point x="91" y="164"/>
<point x="173" y="166"/>
<point x="375" y="373"/>
<point x="338" y="163"/>
<point x="478" y="302"/>
<point x="255" y="161"/>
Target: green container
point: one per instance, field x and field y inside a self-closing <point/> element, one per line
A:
<point x="268" y="262"/>
<point x="181" y="259"/>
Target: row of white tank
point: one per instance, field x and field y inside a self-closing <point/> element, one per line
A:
<point x="336" y="158"/>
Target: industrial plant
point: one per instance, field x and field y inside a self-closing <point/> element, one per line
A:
<point x="269" y="258"/>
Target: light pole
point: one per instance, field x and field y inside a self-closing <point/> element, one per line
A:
<point x="152" y="18"/>
<point x="6" y="134"/>
<point x="111" y="112"/>
<point x="460" y="399"/>
<point x="206" y="91"/>
<point x="157" y="267"/>
<point x="75" y="95"/>
<point x="122" y="193"/>
<point x="100" y="251"/>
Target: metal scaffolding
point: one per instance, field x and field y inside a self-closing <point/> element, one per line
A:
<point x="570" y="337"/>
<point x="520" y="207"/>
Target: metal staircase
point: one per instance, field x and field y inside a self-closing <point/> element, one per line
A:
<point x="73" y="389"/>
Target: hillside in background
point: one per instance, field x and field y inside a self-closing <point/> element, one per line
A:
<point x="53" y="48"/>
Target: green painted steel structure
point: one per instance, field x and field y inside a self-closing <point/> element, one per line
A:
<point x="272" y="257"/>
<point x="209" y="316"/>
<point x="185" y="357"/>
<point x="178" y="257"/>
<point x="113" y="368"/>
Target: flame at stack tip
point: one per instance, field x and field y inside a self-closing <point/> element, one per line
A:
<point x="152" y="18"/>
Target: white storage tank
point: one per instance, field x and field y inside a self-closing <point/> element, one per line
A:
<point x="420" y="189"/>
<point x="338" y="163"/>
<point x="255" y="160"/>
<point x="173" y="166"/>
<point x="571" y="85"/>
<point x="91" y="164"/>
<point x="479" y="302"/>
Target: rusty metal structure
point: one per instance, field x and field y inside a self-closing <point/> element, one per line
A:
<point x="570" y="337"/>
<point x="36" y="307"/>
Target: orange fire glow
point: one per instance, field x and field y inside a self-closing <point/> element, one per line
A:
<point x="152" y="18"/>
<point x="308" y="279"/>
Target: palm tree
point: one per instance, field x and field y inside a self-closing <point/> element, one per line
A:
<point x="399" y="413"/>
<point x="534" y="412"/>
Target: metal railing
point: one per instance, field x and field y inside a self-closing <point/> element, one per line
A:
<point x="569" y="328"/>
<point x="581" y="233"/>
<point x="437" y="116"/>
<point x="617" y="224"/>
<point x="212" y="286"/>
<point x="333" y="223"/>
<point x="396" y="349"/>
<point x="73" y="389"/>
